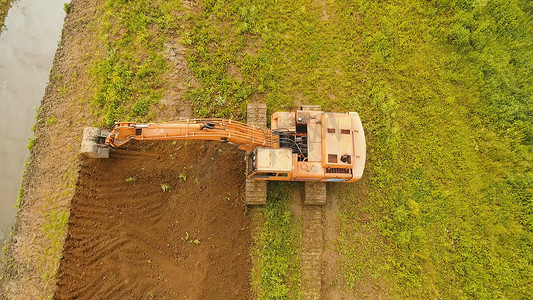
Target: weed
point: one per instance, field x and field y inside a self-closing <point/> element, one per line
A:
<point x="67" y="7"/>
<point x="61" y="91"/>
<point x="130" y="179"/>
<point x="51" y="120"/>
<point x="31" y="142"/>
<point x="165" y="187"/>
<point x="183" y="177"/>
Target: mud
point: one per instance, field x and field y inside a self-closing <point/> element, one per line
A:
<point x="129" y="238"/>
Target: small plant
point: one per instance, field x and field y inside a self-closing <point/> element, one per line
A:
<point x="183" y="177"/>
<point x="31" y="142"/>
<point x="165" y="187"/>
<point x="51" y="120"/>
<point x="66" y="7"/>
<point x="131" y="179"/>
<point x="196" y="241"/>
<point x="61" y="91"/>
<point x="19" y="195"/>
<point x="140" y="108"/>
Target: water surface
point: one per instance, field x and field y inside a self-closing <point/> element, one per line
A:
<point x="27" y="48"/>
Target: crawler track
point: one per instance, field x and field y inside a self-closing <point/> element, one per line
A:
<point x="312" y="251"/>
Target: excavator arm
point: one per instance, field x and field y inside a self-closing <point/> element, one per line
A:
<point x="247" y="137"/>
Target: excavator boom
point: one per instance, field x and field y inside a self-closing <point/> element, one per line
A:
<point x="247" y="137"/>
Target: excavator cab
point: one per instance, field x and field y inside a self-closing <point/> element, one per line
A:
<point x="270" y="164"/>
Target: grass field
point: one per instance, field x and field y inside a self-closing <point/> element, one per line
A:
<point x="445" y="91"/>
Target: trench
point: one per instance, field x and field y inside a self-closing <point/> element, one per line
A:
<point x="27" y="47"/>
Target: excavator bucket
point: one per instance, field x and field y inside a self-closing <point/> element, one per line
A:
<point x="93" y="143"/>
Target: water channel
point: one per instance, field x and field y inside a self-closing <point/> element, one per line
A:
<point x="27" y="48"/>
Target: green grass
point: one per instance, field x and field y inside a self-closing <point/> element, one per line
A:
<point x="55" y="228"/>
<point x="448" y="134"/>
<point x="445" y="92"/>
<point x="277" y="248"/>
<point x="128" y="77"/>
<point x="55" y="223"/>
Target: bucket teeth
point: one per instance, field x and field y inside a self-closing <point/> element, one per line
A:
<point x="92" y="143"/>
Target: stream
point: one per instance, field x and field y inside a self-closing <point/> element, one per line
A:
<point x="27" y="47"/>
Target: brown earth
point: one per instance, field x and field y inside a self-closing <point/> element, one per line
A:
<point x="130" y="239"/>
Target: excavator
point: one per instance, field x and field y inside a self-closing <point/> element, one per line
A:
<point x="303" y="145"/>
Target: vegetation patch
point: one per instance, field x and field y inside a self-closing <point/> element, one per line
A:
<point x="276" y="250"/>
<point x="445" y="111"/>
<point x="55" y="223"/>
<point x="55" y="230"/>
<point x="128" y="76"/>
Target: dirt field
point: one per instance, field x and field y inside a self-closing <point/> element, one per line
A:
<point x="129" y="238"/>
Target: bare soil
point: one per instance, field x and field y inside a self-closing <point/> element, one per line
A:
<point x="129" y="238"/>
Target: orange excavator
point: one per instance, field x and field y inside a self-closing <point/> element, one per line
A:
<point x="303" y="145"/>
